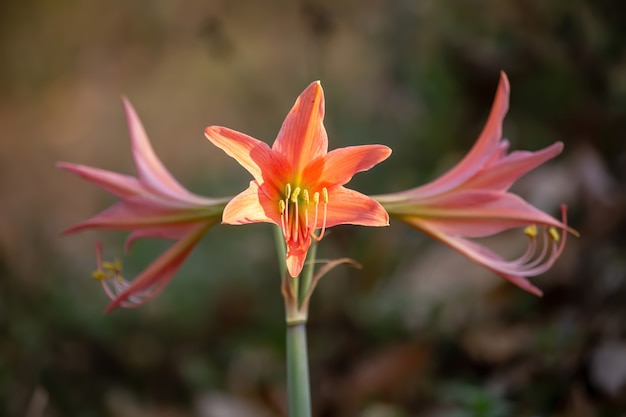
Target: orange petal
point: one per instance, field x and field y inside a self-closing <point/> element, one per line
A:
<point x="341" y="164"/>
<point x="302" y="136"/>
<point x="252" y="154"/>
<point x="296" y="258"/>
<point x="347" y="206"/>
<point x="250" y="206"/>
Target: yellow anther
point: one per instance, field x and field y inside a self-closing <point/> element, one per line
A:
<point x="288" y="191"/>
<point x="554" y="234"/>
<point x="316" y="198"/>
<point x="295" y="195"/>
<point x="325" y="195"/>
<point x="99" y="275"/>
<point x="115" y="266"/>
<point x="281" y="206"/>
<point x="531" y="231"/>
<point x="305" y="196"/>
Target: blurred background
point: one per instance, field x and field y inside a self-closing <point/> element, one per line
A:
<point x="419" y="330"/>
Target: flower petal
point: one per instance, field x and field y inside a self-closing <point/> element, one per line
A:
<point x="476" y="213"/>
<point x="481" y="152"/>
<point x="250" y="206"/>
<point x="347" y="206"/>
<point x="341" y="164"/>
<point x="503" y="173"/>
<point x="125" y="216"/>
<point x="295" y="260"/>
<point x="149" y="168"/>
<point x="159" y="273"/>
<point x="252" y="154"/>
<point x="478" y="254"/>
<point x="121" y="185"/>
<point x="302" y="136"/>
<point x="170" y="232"/>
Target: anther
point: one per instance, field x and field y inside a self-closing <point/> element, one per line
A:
<point x="554" y="234"/>
<point x="305" y="196"/>
<point x="531" y="231"/>
<point x="316" y="198"/>
<point x="325" y="195"/>
<point x="287" y="191"/>
<point x="281" y="207"/>
<point x="295" y="195"/>
<point x="99" y="275"/>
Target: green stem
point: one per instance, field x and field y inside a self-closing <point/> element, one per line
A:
<point x="298" y="392"/>
<point x="281" y="250"/>
<point x="307" y="276"/>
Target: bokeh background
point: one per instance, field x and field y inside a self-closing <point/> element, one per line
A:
<point x="419" y="330"/>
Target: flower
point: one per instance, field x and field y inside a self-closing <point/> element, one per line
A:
<point x="153" y="204"/>
<point x="298" y="184"/>
<point x="472" y="200"/>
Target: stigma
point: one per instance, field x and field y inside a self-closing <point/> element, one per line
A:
<point x="299" y="213"/>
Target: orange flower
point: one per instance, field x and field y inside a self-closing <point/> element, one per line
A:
<point x="298" y="184"/>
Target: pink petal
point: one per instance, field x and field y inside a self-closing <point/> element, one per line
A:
<point x="170" y="232"/>
<point x="158" y="274"/>
<point x="302" y="136"/>
<point x="482" y="150"/>
<point x="252" y="154"/>
<point x="347" y="206"/>
<point x="149" y="168"/>
<point x="477" y="213"/>
<point x="118" y="184"/>
<point x="502" y="174"/>
<point x="480" y="255"/>
<point x="122" y="216"/>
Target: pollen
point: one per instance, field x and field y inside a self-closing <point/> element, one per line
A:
<point x="295" y="195"/>
<point x="531" y="231"/>
<point x="554" y="234"/>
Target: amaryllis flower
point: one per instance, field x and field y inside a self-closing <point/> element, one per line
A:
<point x="153" y="204"/>
<point x="298" y="184"/>
<point x="472" y="200"/>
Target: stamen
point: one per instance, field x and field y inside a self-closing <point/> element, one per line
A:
<point x="99" y="275"/>
<point x="296" y="214"/>
<point x="295" y="195"/>
<point x="109" y="274"/>
<point x="531" y="231"/>
<point x="316" y="202"/>
<point x="325" y="199"/>
<point x="281" y="209"/>
<point x="286" y="229"/>
<point x="554" y="234"/>
<point x="305" y="197"/>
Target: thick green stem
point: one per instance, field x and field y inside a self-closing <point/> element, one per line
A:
<point x="298" y="392"/>
<point x="281" y="249"/>
<point x="307" y="275"/>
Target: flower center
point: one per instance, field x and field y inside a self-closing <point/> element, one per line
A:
<point x="296" y="210"/>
